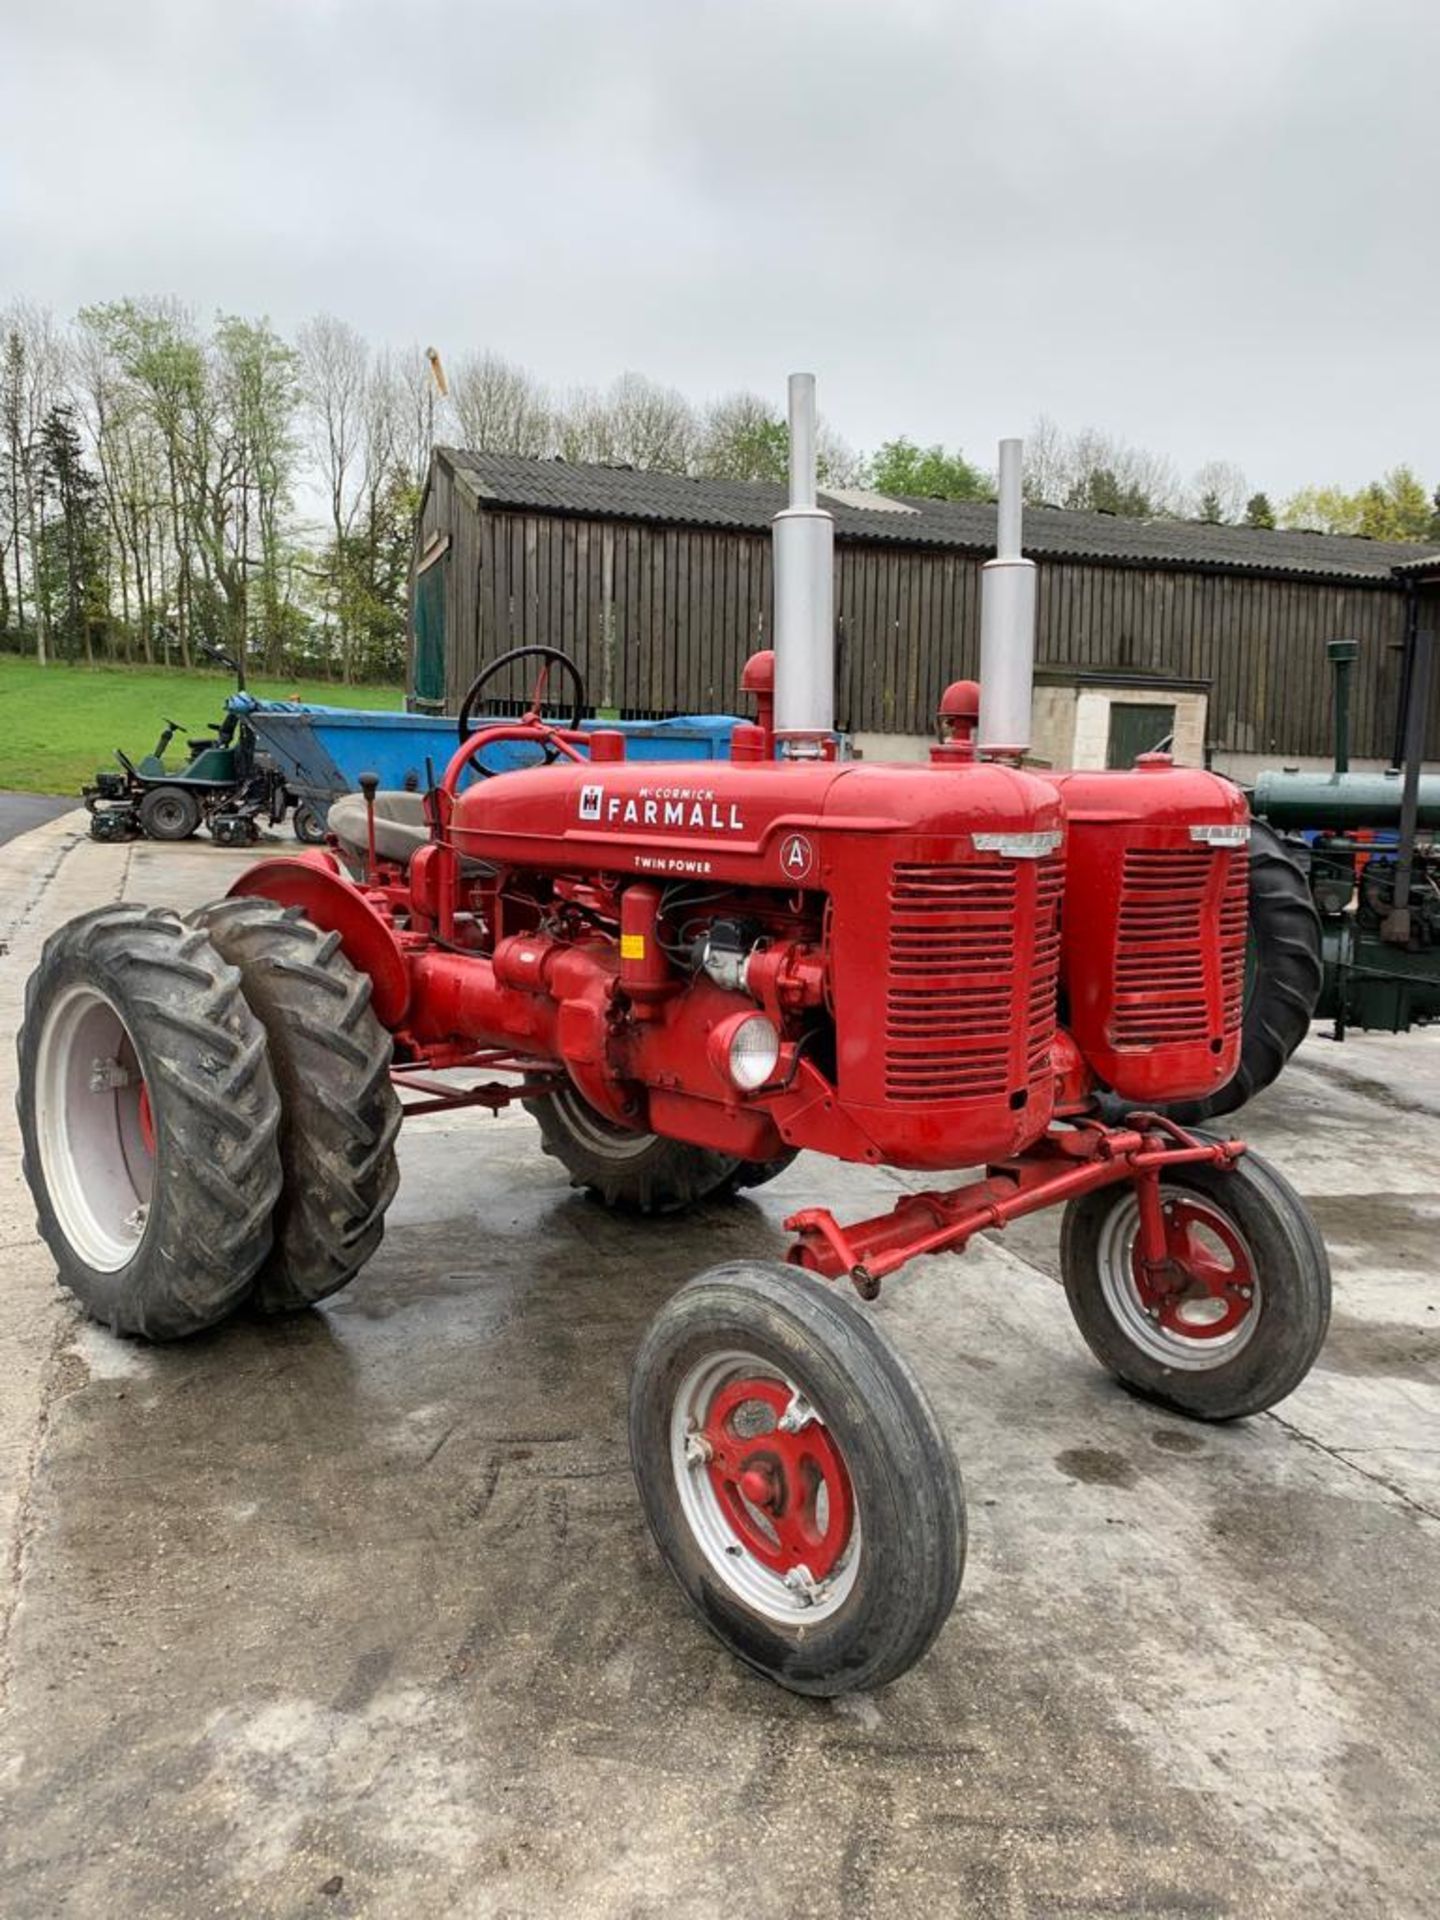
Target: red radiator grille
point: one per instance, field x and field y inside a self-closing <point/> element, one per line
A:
<point x="954" y="998"/>
<point x="1045" y="966"/>
<point x="1163" y="935"/>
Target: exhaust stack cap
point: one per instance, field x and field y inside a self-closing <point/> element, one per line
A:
<point x="804" y="555"/>
<point x="1007" y="622"/>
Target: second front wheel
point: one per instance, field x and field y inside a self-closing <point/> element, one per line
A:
<point x="796" y="1478"/>
<point x="1233" y="1319"/>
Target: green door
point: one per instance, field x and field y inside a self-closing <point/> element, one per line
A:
<point x="1137" y="729"/>
<point x="427" y="688"/>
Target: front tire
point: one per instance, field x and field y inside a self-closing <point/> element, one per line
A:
<point x="339" y="1113"/>
<point x="149" y="1120"/>
<point x="1246" y="1314"/>
<point x="169" y="813"/>
<point x="828" y="1556"/>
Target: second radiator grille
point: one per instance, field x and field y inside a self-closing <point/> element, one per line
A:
<point x="1163" y="937"/>
<point x="954" y="996"/>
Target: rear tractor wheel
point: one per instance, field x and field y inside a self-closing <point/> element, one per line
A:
<point x="149" y="1120"/>
<point x="796" y="1479"/>
<point x="1240" y="1314"/>
<point x="339" y="1112"/>
<point x="639" y="1172"/>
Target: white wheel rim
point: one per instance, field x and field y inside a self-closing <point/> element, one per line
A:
<point x="760" y="1587"/>
<point x="97" y="1170"/>
<point x="1115" y="1259"/>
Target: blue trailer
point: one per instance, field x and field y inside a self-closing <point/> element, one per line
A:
<point x="322" y="751"/>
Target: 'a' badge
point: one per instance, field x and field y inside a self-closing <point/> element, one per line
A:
<point x="797" y="857"/>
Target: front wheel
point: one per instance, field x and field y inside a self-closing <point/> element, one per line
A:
<point x="1237" y="1319"/>
<point x="169" y="813"/>
<point x="796" y="1479"/>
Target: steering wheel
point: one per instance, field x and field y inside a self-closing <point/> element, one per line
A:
<point x="551" y="656"/>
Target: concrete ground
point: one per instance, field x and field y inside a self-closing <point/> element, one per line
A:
<point x="355" y="1613"/>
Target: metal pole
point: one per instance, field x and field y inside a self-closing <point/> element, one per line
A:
<point x="1396" y="927"/>
<point x="1343" y="654"/>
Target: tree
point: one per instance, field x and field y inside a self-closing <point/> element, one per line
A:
<point x="744" y="438"/>
<point x="1095" y="471"/>
<point x="254" y="378"/>
<point x="333" y="369"/>
<point x="70" y="563"/>
<point x="500" y="408"/>
<point x="1394" y="508"/>
<point x="636" y="424"/>
<point x="901" y="467"/>
<point x="1259" y="512"/>
<point x="1218" y="492"/>
<point x="31" y="376"/>
<point x="1322" y="510"/>
<point x="1102" y="490"/>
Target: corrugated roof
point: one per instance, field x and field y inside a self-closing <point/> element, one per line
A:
<point x="624" y="493"/>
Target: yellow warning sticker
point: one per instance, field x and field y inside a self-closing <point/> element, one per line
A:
<point x="632" y="946"/>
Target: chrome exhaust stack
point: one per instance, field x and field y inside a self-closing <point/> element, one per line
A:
<point x="804" y="558"/>
<point x="1007" y="624"/>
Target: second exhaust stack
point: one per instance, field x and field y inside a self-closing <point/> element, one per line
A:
<point x="804" y="557"/>
<point x="1007" y="623"/>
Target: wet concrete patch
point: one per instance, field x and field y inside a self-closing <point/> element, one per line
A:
<point x="1097" y="1467"/>
<point x="1369" y="1347"/>
<point x="1383" y="1230"/>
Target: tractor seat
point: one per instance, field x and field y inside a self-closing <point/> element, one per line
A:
<point x="400" y="828"/>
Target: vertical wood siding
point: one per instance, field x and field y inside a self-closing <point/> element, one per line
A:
<point x="662" y="618"/>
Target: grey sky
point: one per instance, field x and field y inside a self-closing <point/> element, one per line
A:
<point x="1207" y="228"/>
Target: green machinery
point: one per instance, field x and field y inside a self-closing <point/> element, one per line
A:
<point x="1367" y="843"/>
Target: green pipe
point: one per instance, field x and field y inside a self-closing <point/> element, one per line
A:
<point x="1329" y="800"/>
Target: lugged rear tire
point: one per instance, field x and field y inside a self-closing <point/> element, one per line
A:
<point x="339" y="1113"/>
<point x="639" y="1172"/>
<point x="1284" y="973"/>
<point x="149" y="1120"/>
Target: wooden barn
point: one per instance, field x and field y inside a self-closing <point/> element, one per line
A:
<point x="660" y="585"/>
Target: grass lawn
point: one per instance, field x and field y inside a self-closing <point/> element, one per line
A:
<point x="59" y="723"/>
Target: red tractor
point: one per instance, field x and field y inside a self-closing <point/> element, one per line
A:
<point x="687" y="976"/>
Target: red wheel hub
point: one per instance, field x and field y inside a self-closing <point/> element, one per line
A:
<point x="147" y="1121"/>
<point x="1197" y="1292"/>
<point x="786" y="1494"/>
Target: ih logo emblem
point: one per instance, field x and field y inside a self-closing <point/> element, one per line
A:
<point x="590" y="798"/>
<point x="797" y="857"/>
